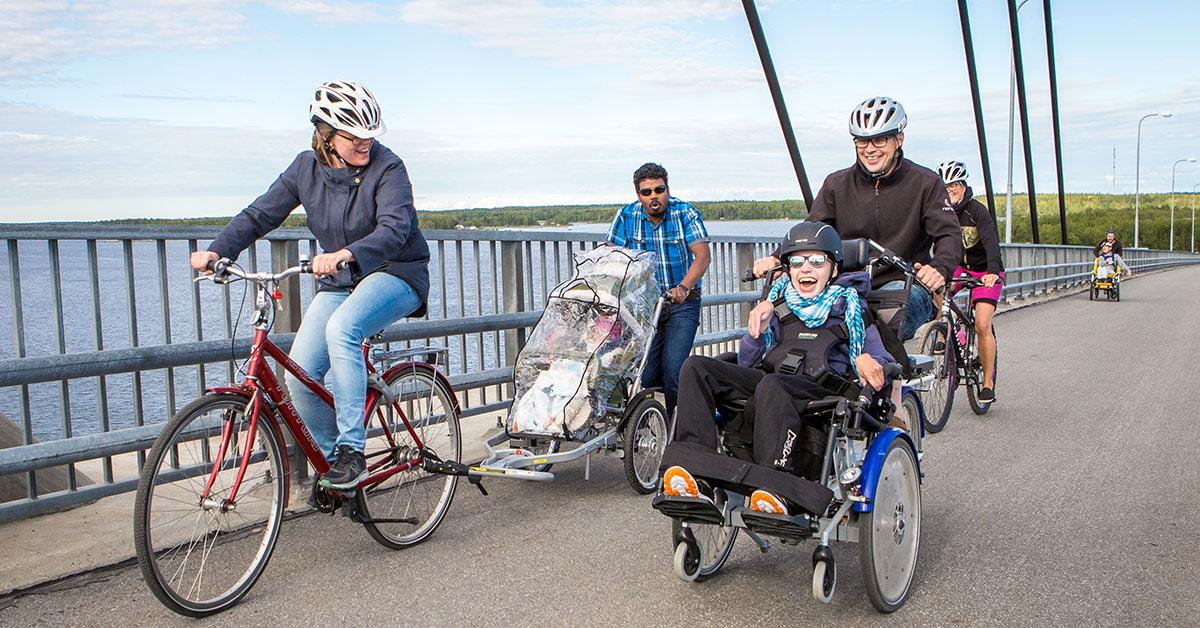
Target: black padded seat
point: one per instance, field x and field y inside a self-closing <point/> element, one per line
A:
<point x="855" y="255"/>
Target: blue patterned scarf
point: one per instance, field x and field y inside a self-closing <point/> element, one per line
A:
<point x="815" y="311"/>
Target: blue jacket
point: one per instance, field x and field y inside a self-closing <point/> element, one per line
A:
<point x="367" y="210"/>
<point x="751" y="350"/>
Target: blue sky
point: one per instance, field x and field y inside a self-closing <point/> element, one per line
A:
<point x="191" y="107"/>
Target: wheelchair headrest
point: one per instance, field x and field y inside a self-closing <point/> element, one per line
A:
<point x="855" y="255"/>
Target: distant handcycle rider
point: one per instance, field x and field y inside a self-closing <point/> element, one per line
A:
<point x="1109" y="263"/>
<point x="359" y="205"/>
<point x="809" y="328"/>
<point x="981" y="260"/>
<point x="893" y="201"/>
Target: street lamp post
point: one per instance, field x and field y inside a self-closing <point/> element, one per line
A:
<point x="1012" y="87"/>
<point x="1137" y="179"/>
<point x="1186" y="159"/>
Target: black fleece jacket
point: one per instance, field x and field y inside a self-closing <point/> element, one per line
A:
<point x="980" y="240"/>
<point x="907" y="211"/>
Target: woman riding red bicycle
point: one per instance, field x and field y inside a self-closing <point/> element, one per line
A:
<point x="359" y="205"/>
<point x="981" y="260"/>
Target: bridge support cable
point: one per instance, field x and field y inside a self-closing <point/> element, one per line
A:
<point x="969" y="48"/>
<point x="1058" y="163"/>
<point x="785" y="122"/>
<point x="1018" y="67"/>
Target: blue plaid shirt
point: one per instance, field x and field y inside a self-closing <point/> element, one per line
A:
<point x="681" y="227"/>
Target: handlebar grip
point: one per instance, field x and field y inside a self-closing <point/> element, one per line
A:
<point x="891" y="370"/>
<point x="748" y="274"/>
<point x="218" y="266"/>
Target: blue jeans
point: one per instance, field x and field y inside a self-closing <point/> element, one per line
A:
<point x="672" y="345"/>
<point x="920" y="308"/>
<point x="329" y="347"/>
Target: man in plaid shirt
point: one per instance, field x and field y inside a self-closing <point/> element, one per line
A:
<point x="674" y="231"/>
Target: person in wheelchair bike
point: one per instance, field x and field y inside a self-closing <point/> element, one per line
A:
<point x="806" y="341"/>
<point x="981" y="260"/>
<point x="1109" y="263"/>
<point x="359" y="204"/>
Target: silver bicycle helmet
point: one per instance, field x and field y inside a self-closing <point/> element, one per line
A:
<point x="877" y="116"/>
<point x="952" y="172"/>
<point x="348" y="107"/>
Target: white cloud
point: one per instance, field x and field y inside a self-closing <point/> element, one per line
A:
<point x="36" y="38"/>
<point x="339" y="12"/>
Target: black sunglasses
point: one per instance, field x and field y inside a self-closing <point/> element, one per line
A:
<point x="647" y="191"/>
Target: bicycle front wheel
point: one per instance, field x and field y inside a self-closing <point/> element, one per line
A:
<point x="199" y="551"/>
<point x="939" y="399"/>
<point x="405" y="507"/>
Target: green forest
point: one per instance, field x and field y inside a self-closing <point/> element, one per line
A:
<point x="1088" y="216"/>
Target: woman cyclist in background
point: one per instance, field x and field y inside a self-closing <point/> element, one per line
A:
<point x="981" y="259"/>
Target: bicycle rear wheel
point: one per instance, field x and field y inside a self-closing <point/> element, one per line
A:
<point x="198" y="553"/>
<point x="939" y="399"/>
<point x="406" y="507"/>
<point x="972" y="391"/>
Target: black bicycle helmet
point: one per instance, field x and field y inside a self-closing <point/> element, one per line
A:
<point x="812" y="236"/>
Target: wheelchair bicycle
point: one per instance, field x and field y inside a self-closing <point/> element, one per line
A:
<point x="1110" y="284"/>
<point x="869" y="490"/>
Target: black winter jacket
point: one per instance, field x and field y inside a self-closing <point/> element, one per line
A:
<point x="907" y="211"/>
<point x="980" y="240"/>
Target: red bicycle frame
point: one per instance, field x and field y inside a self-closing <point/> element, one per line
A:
<point x="260" y="380"/>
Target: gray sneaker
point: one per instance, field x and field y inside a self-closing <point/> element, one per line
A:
<point x="348" y="470"/>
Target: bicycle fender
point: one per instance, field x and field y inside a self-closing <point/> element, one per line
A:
<point x="436" y="373"/>
<point x="238" y="391"/>
<point x="906" y="391"/>
<point x="873" y="464"/>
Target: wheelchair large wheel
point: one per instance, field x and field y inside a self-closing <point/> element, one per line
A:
<point x="890" y="534"/>
<point x="973" y="390"/>
<point x="1115" y="292"/>
<point x="939" y="399"/>
<point x="705" y="554"/>
<point x="1092" y="292"/>
<point x="645" y="439"/>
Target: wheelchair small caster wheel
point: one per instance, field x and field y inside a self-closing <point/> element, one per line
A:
<point x="824" y="579"/>
<point x="687" y="561"/>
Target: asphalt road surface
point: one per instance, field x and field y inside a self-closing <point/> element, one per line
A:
<point x="1074" y="501"/>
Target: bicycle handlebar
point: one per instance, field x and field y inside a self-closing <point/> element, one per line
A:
<point x="223" y="269"/>
<point x="748" y="274"/>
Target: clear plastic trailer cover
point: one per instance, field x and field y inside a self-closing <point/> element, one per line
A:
<point x="591" y="336"/>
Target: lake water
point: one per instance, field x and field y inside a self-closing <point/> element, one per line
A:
<point x="473" y="296"/>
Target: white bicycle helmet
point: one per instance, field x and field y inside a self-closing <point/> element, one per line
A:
<point x="348" y="107"/>
<point x="877" y="116"/>
<point x="952" y="172"/>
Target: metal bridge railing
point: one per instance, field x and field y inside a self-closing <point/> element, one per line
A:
<point x="111" y="337"/>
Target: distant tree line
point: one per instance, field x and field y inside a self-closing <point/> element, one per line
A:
<point x="1088" y="216"/>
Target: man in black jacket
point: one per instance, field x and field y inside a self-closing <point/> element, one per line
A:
<point x="893" y="201"/>
<point x="1111" y="239"/>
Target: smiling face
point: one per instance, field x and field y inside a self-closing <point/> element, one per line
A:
<point x="354" y="151"/>
<point x="878" y="154"/>
<point x="956" y="191"/>
<point x="653" y="194"/>
<point x="808" y="278"/>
